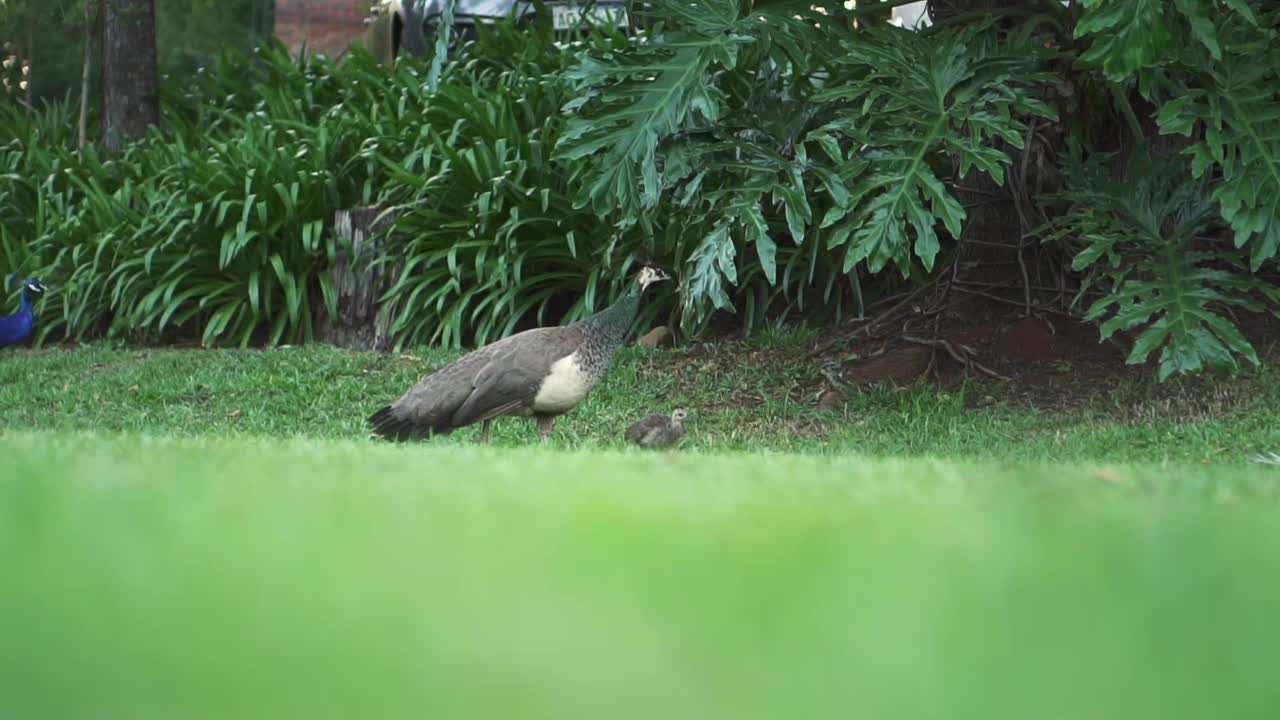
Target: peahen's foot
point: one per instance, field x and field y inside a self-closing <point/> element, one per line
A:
<point x="544" y="428"/>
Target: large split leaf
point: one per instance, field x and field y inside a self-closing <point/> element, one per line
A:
<point x="1234" y="115"/>
<point x="1132" y="35"/>
<point x="913" y="102"/>
<point x="1142" y="240"/>
<point x="631" y="101"/>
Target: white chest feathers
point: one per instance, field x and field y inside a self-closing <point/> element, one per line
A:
<point x="564" y="387"/>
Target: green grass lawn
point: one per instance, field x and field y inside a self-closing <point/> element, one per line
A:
<point x="741" y="398"/>
<point x="208" y="534"/>
<point x="306" y="578"/>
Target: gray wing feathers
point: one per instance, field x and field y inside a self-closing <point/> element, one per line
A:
<point x="499" y="389"/>
<point x="643" y="427"/>
<point x="511" y="379"/>
<point x="433" y="400"/>
<point x="495" y="380"/>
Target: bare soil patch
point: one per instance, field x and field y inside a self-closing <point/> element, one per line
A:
<point x="1050" y="361"/>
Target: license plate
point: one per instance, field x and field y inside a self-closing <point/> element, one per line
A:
<point x="568" y="17"/>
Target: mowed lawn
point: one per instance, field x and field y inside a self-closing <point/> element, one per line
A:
<point x="741" y="397"/>
<point x="260" y="578"/>
<point x="164" y="557"/>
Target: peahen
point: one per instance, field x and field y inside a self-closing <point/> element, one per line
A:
<point x="540" y="373"/>
<point x="17" y="327"/>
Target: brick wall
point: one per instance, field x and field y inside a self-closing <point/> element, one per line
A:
<point x="327" y="26"/>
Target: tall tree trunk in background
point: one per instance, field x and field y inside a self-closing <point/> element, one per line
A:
<point x="130" y="84"/>
<point x="91" y="32"/>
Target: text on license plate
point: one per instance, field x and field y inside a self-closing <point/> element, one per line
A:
<point x="565" y="17"/>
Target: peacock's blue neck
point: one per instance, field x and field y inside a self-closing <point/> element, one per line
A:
<point x="25" y="305"/>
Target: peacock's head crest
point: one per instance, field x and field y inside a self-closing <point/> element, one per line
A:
<point x="31" y="286"/>
<point x="649" y="275"/>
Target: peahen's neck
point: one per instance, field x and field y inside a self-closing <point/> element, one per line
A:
<point x="611" y="324"/>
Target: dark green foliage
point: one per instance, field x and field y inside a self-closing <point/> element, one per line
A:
<point x="704" y="130"/>
<point x="488" y="234"/>
<point x="913" y="101"/>
<point x="1128" y="36"/>
<point x="217" y="223"/>
<point x="1230" y="106"/>
<point x="747" y="130"/>
<point x="26" y="142"/>
<point x="776" y="157"/>
<point x="218" y="226"/>
<point x="1156" y="237"/>
<point x="190" y="34"/>
<point x="1147" y="240"/>
<point x="749" y="122"/>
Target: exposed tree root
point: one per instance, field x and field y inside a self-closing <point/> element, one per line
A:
<point x="962" y="354"/>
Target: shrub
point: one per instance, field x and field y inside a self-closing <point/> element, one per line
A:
<point x="1156" y="241"/>
<point x="1149" y="241"/>
<point x="760" y="123"/>
<point x="220" y="220"/>
<point x="764" y="120"/>
<point x="219" y="223"/>
<point x="490" y="235"/>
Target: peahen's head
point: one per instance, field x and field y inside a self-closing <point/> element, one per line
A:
<point x="649" y="275"/>
<point x="678" y="415"/>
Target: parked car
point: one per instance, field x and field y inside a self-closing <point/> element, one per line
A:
<point x="392" y="22"/>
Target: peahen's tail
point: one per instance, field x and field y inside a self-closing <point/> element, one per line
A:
<point x="385" y="424"/>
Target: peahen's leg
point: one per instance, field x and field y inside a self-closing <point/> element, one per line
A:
<point x="484" y="432"/>
<point x="545" y="422"/>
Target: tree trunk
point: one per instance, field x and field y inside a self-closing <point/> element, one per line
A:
<point x="130" y="86"/>
<point x="91" y="31"/>
<point x="360" y="323"/>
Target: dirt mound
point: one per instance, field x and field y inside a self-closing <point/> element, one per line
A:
<point x="1005" y="345"/>
<point x="1038" y="338"/>
<point x="897" y="366"/>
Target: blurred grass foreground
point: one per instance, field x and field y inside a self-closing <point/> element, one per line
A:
<point x="268" y="578"/>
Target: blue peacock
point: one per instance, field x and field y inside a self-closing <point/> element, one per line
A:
<point x="17" y="327"/>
